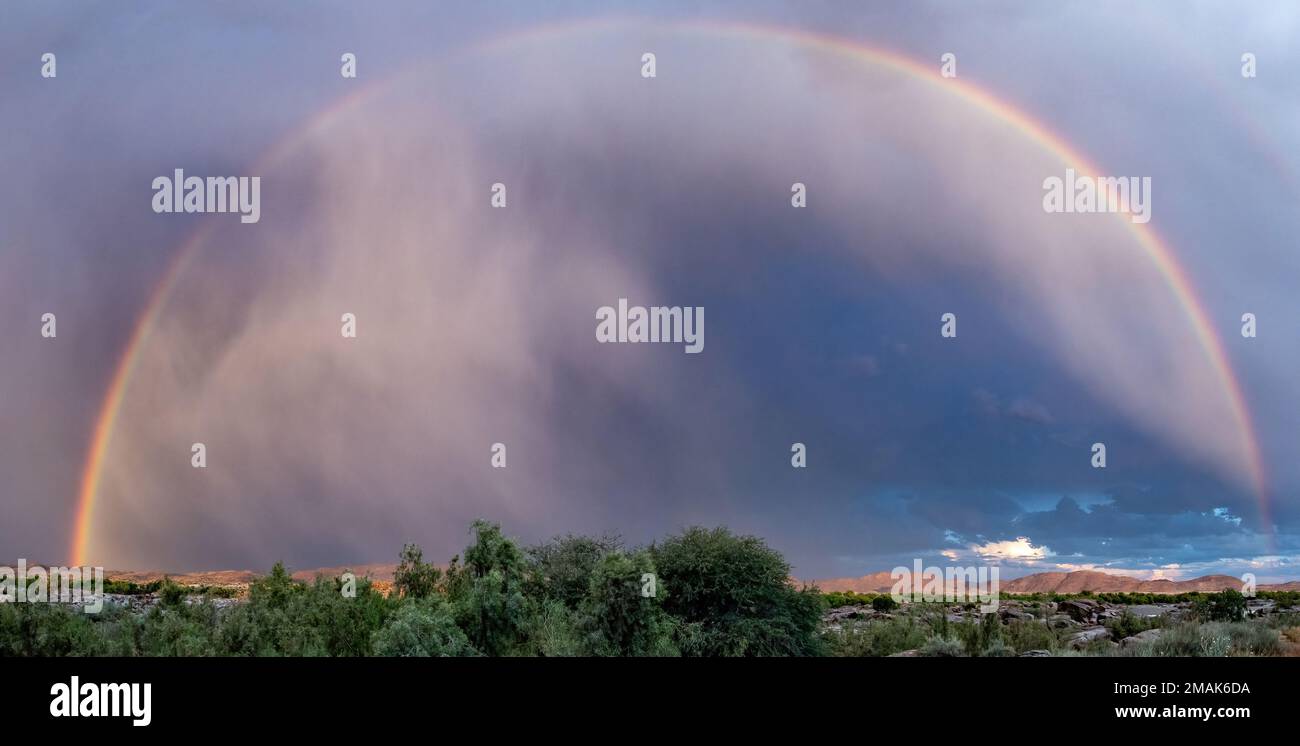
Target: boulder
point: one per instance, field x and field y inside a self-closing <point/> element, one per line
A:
<point x="1141" y="637"/>
<point x="1259" y="607"/>
<point x="1081" y="638"/>
<point x="1151" y="610"/>
<point x="1061" y="621"/>
<point x="1079" y="609"/>
<point x="1010" y="613"/>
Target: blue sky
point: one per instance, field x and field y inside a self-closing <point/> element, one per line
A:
<point x="822" y="324"/>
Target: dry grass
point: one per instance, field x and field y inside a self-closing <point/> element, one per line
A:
<point x="1291" y="642"/>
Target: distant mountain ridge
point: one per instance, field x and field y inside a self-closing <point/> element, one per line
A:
<point x="879" y="582"/>
<point x="380" y="572"/>
<point x="1068" y="582"/>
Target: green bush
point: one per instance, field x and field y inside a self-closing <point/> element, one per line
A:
<point x="1130" y="624"/>
<point x="877" y="638"/>
<point x="551" y="631"/>
<point x="1284" y="599"/>
<point x="1224" y="606"/>
<point x="998" y="649"/>
<point x="561" y="569"/>
<point x="715" y="594"/>
<point x="129" y="588"/>
<point x="732" y="596"/>
<point x="943" y="647"/>
<point x="1215" y="639"/>
<point x="55" y="630"/>
<point x="1026" y="635"/>
<point x="414" y="577"/>
<point x="266" y="626"/>
<point x="619" y="619"/>
<point x="487" y="593"/>
<point x="286" y="617"/>
<point x="836" y="599"/>
<point x="424" y="627"/>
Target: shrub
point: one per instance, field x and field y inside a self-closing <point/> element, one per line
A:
<point x="877" y="638"/>
<point x="942" y="647"/>
<point x="1284" y="599"/>
<point x="998" y="649"/>
<point x="348" y="624"/>
<point x="1226" y="606"/>
<point x="836" y="599"/>
<point x="562" y="568"/>
<point x="56" y="630"/>
<point x="177" y="629"/>
<point x="424" y="627"/>
<point x="488" y="592"/>
<point x="551" y="631"/>
<point x="1129" y="624"/>
<point x="1215" y="639"/>
<point x="976" y="636"/>
<point x="617" y="617"/>
<point x="267" y="624"/>
<point x="286" y="617"/>
<point x="732" y="596"/>
<point x="884" y="603"/>
<point x="1254" y="639"/>
<point x="1026" y="635"/>
<point x="414" y="577"/>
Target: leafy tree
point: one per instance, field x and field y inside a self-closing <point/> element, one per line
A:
<point x="1225" y="606"/>
<point x="733" y="596"/>
<point x="358" y="617"/>
<point x="422" y="627"/>
<point x="342" y="625"/>
<point x="177" y="629"/>
<point x="266" y="626"/>
<point x="618" y="618"/>
<point x="551" y="630"/>
<point x="286" y="617"/>
<point x="171" y="593"/>
<point x="274" y="589"/>
<point x="55" y="630"/>
<point x="562" y="568"/>
<point x="884" y="603"/>
<point x="489" y="599"/>
<point x="414" y="577"/>
<point x="455" y="581"/>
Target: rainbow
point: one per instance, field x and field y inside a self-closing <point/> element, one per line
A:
<point x="102" y="435"/>
<point x="1155" y="248"/>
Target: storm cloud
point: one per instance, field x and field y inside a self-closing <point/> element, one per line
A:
<point x="475" y="324"/>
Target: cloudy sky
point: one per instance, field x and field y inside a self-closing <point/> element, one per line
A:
<point x="476" y="324"/>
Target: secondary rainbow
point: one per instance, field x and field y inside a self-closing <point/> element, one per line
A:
<point x="1154" y="247"/>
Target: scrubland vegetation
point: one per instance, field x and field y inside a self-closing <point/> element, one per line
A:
<point x="702" y="592"/>
<point x="1193" y="625"/>
<point x="699" y="593"/>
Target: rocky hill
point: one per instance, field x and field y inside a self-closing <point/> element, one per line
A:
<point x="1067" y="582"/>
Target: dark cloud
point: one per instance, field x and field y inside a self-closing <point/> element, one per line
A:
<point x="821" y="324"/>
